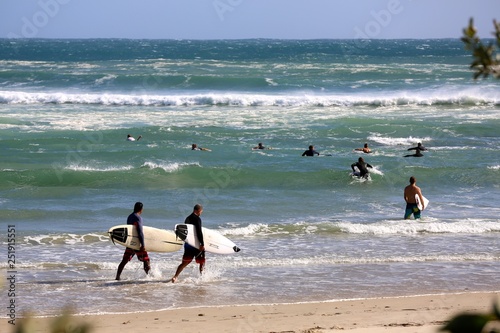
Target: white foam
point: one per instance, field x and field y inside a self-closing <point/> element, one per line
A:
<point x="388" y="227"/>
<point x="469" y="226"/>
<point x="167" y="167"/>
<point x="249" y="230"/>
<point x="69" y="239"/>
<point x="397" y="141"/>
<point x="105" y="79"/>
<point x="93" y="168"/>
<point x="376" y="171"/>
<point x="458" y="97"/>
<point x="331" y="259"/>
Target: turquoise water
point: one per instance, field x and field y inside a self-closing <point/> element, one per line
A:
<point x="68" y="174"/>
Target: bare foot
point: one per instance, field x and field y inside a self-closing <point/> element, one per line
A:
<point x="174" y="279"/>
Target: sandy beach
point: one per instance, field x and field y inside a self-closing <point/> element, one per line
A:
<point x="417" y="314"/>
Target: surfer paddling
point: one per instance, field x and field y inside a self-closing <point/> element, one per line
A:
<point x="194" y="146"/>
<point x="365" y="149"/>
<point x="411" y="191"/>
<point x="362" y="166"/>
<point x="190" y="252"/>
<point x="136" y="220"/>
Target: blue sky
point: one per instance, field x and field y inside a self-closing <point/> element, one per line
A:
<point x="230" y="19"/>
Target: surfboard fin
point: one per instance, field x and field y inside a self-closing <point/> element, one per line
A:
<point x="236" y="249"/>
<point x="110" y="233"/>
<point x="120" y="234"/>
<point x="181" y="231"/>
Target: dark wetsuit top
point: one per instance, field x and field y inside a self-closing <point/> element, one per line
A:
<point x="417" y="151"/>
<point x="418" y="148"/>
<point x="310" y="152"/>
<point x="136" y="220"/>
<point x="196" y="221"/>
<point x="363" y="171"/>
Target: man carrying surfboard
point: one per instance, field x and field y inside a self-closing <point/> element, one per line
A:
<point x="191" y="252"/>
<point x="136" y="220"/>
<point x="411" y="192"/>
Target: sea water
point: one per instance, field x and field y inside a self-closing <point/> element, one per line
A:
<point x="307" y="230"/>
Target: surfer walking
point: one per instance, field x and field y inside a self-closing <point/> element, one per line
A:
<point x="362" y="167"/>
<point x="136" y="220"/>
<point x="191" y="252"/>
<point x="410" y="193"/>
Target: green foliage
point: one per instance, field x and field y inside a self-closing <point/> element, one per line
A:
<point x="473" y="322"/>
<point x="62" y="324"/>
<point x="485" y="61"/>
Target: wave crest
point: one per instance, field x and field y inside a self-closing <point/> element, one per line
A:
<point x="242" y="99"/>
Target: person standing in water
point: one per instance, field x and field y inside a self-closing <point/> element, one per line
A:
<point x="310" y="151"/>
<point x="259" y="146"/>
<point x="411" y="204"/>
<point x="191" y="252"/>
<point x="418" y="151"/>
<point x="135" y="219"/>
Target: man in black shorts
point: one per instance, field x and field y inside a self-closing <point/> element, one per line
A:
<point x="190" y="252"/>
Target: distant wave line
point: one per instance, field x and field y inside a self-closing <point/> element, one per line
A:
<point x="255" y="99"/>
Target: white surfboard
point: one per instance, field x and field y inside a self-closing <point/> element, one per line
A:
<point x="214" y="241"/>
<point x="157" y="240"/>
<point x="419" y="204"/>
<point x="357" y="175"/>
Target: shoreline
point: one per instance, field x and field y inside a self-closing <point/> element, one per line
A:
<point x="417" y="314"/>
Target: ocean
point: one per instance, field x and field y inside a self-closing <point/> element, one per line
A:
<point x="307" y="230"/>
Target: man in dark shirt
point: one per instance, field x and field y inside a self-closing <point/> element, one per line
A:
<point x="362" y="167"/>
<point x="310" y="151"/>
<point x="190" y="252"/>
<point x="418" y="151"/>
<point x="418" y="147"/>
<point x="259" y="146"/>
<point x="136" y="220"/>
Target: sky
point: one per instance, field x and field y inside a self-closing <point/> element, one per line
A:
<point x="241" y="19"/>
